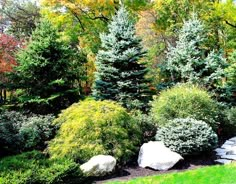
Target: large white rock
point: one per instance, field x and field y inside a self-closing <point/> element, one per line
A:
<point x="99" y="165"/>
<point x="156" y="155"/>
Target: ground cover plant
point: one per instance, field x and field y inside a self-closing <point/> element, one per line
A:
<point x="207" y="175"/>
<point x="34" y="167"/>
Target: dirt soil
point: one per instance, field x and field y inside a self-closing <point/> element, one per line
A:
<point x="134" y="171"/>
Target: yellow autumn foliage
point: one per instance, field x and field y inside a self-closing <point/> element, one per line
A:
<point x="89" y="128"/>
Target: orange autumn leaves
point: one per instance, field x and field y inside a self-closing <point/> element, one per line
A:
<point x="8" y="47"/>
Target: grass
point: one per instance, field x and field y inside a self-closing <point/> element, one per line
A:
<point x="220" y="174"/>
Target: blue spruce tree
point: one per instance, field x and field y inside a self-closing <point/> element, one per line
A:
<point x="120" y="75"/>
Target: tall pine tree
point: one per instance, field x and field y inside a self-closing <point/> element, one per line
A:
<point x="120" y="75"/>
<point x="48" y="71"/>
<point x="191" y="61"/>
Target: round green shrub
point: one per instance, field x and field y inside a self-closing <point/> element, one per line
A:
<point x="184" y="101"/>
<point x="93" y="127"/>
<point x="187" y="136"/>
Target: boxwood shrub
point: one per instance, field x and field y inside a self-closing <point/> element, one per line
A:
<point x="187" y="136"/>
<point x="182" y="101"/>
<point x="93" y="127"/>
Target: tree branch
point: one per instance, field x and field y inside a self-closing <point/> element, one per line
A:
<point x="234" y="26"/>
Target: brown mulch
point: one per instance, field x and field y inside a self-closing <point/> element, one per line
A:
<point x="134" y="171"/>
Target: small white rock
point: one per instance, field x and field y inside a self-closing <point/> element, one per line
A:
<point x="99" y="165"/>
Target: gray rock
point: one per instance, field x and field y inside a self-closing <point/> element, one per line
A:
<point x="220" y="150"/>
<point x="223" y="161"/>
<point x="221" y="153"/>
<point x="229" y="142"/>
<point x="99" y="165"/>
<point x="232" y="151"/>
<point x="233" y="139"/>
<point x="230" y="157"/>
<point x="226" y="146"/>
<point x="156" y="155"/>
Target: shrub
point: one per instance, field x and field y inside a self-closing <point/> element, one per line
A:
<point x="228" y="125"/>
<point x="184" y="101"/>
<point x="93" y="127"/>
<point x="34" y="167"/>
<point x="187" y="136"/>
<point x="20" y="132"/>
<point x="146" y="123"/>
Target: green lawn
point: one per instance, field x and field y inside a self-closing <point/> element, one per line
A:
<point x="207" y="175"/>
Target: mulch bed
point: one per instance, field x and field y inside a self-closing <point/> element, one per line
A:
<point x="134" y="171"/>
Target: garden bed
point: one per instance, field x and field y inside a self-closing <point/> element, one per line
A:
<point x="134" y="170"/>
<point x="224" y="174"/>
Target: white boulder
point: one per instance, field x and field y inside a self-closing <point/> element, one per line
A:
<point x="99" y="165"/>
<point x="156" y="155"/>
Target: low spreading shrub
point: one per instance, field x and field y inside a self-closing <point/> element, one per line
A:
<point x="34" y="168"/>
<point x="184" y="101"/>
<point x="20" y="132"/>
<point x="187" y="136"/>
<point x="93" y="127"/>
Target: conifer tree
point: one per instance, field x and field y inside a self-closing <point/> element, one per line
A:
<point x="47" y="71"/>
<point x="191" y="61"/>
<point x="120" y="75"/>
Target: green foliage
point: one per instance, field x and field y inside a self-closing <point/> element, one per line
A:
<point x="120" y="75"/>
<point x="184" y="101"/>
<point x="229" y="124"/>
<point x="34" y="167"/>
<point x="49" y="71"/>
<point x="19" y="17"/>
<point x="231" y="71"/>
<point x="146" y="123"/>
<point x="93" y="127"/>
<point x="187" y="136"/>
<point x="20" y="132"/>
<point x="190" y="61"/>
<point x="228" y="91"/>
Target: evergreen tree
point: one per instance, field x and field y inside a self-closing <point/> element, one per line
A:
<point x="231" y="70"/>
<point x="120" y="75"/>
<point x="47" y="71"/>
<point x="191" y="61"/>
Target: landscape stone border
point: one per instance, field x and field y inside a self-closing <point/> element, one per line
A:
<point x="227" y="152"/>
